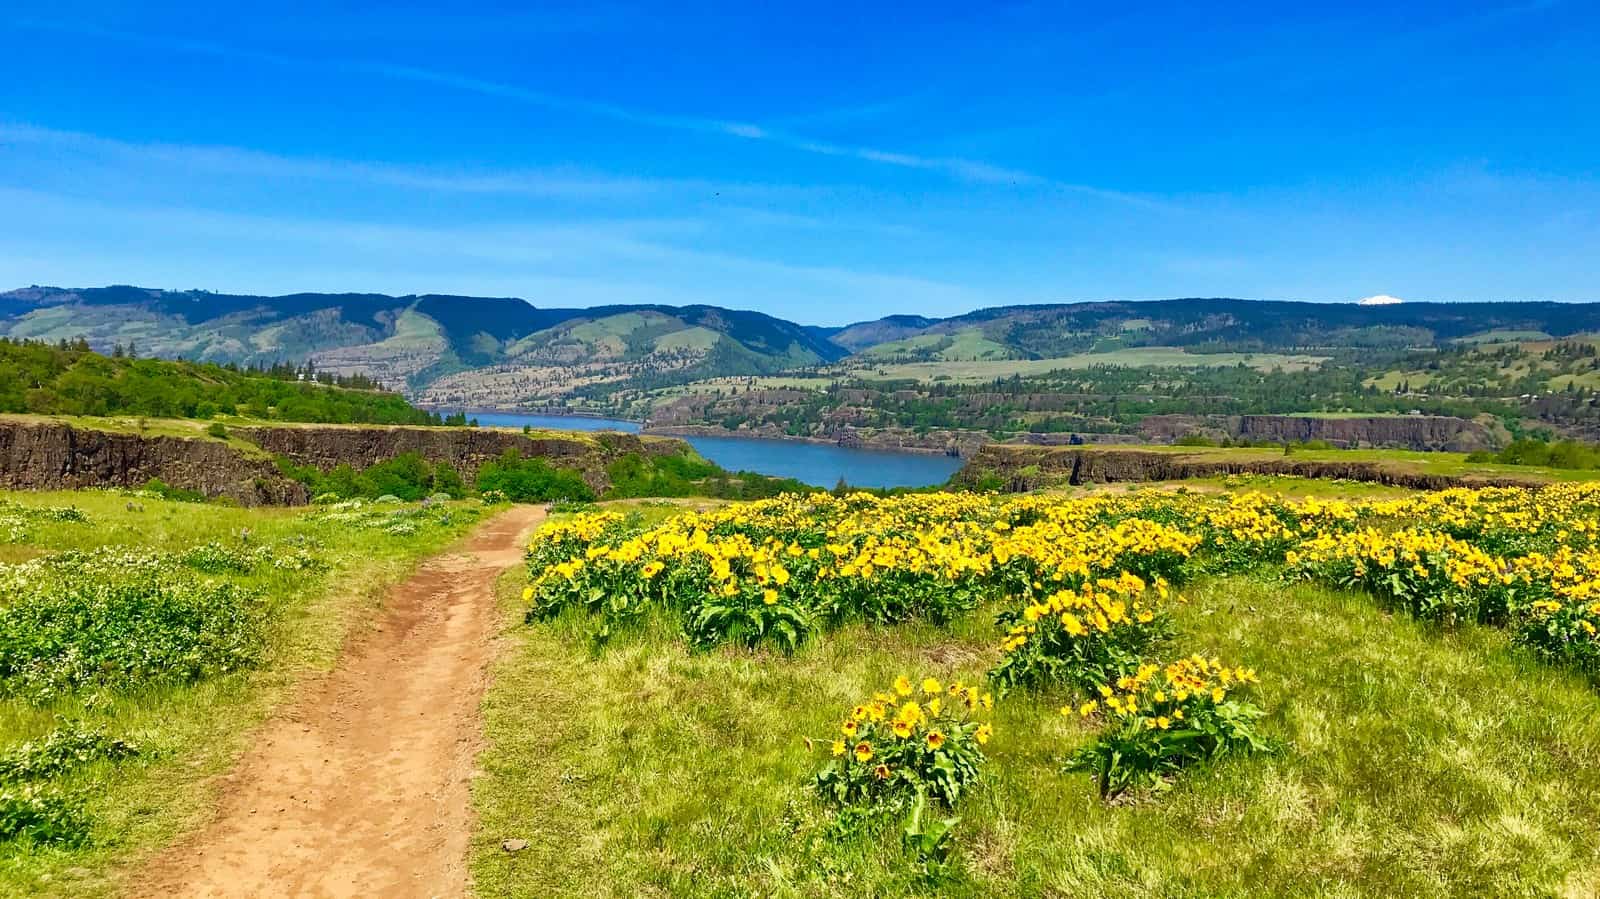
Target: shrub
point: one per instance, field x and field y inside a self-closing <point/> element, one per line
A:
<point x="448" y="481"/>
<point x="214" y="557"/>
<point x="1155" y="726"/>
<point x="406" y="476"/>
<point x="17" y="521"/>
<point x="61" y="751"/>
<point x="1086" y="638"/>
<point x="218" y="430"/>
<point x="159" y="488"/>
<point x="122" y="622"/>
<point x="43" y="817"/>
<point x="571" y="507"/>
<point x="531" y="480"/>
<point x="909" y="740"/>
<point x="1563" y="631"/>
<point x="1429" y="574"/>
<point x="1569" y="454"/>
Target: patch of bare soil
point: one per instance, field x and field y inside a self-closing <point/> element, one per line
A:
<point x="361" y="788"/>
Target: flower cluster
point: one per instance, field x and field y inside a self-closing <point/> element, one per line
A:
<point x="1162" y="718"/>
<point x="911" y="738"/>
<point x="18" y="522"/>
<point x="1087" y="637"/>
<point x="775" y="570"/>
<point x="1426" y="572"/>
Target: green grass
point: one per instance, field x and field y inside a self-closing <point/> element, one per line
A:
<point x="190" y="734"/>
<point x="1139" y="357"/>
<point x="688" y="339"/>
<point x="1587" y="381"/>
<point x="1390" y="381"/>
<point x="1413" y="762"/>
<point x="967" y="344"/>
<point x="196" y="428"/>
<point x="1503" y="335"/>
<point x="1283" y="485"/>
<point x="723" y="385"/>
<point x="612" y="326"/>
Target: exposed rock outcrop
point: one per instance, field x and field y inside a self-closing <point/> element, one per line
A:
<point x="1414" y="432"/>
<point x="464" y="448"/>
<point x="1020" y="468"/>
<point x="54" y="455"/>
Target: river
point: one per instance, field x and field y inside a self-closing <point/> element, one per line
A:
<point x="818" y="464"/>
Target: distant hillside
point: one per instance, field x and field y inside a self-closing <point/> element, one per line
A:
<point x="1205" y="325"/>
<point x="447" y="349"/>
<point x="505" y="352"/>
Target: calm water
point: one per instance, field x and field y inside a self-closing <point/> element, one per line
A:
<point x="811" y="463"/>
<point x="558" y="422"/>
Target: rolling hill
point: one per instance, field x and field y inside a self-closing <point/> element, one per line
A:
<point x="441" y="349"/>
<point x="1203" y="325"/>
<point x="506" y="352"/>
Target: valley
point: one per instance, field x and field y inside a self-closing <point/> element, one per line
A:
<point x="1145" y="372"/>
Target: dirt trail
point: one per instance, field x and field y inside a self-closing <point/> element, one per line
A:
<point x="362" y="787"/>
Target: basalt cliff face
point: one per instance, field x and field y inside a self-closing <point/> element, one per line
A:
<point x="55" y="455"/>
<point x="1414" y="432"/>
<point x="1019" y="468"/>
<point x="464" y="448"/>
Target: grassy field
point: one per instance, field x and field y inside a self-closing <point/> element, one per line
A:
<point x="1286" y="486"/>
<point x="966" y="345"/>
<point x="988" y="370"/>
<point x="312" y="575"/>
<point x="1409" y="760"/>
<point x="188" y="428"/>
<point x="1504" y="335"/>
<point x="196" y="428"/>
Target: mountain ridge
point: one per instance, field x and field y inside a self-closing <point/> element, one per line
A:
<point x="459" y="350"/>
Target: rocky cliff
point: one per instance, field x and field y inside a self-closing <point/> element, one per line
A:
<point x="1414" y="432"/>
<point x="1021" y="468"/>
<point x="464" y="448"/>
<point x="54" y="455"/>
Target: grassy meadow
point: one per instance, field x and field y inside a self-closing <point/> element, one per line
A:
<point x="978" y="370"/>
<point x="1421" y="742"/>
<point x="199" y="619"/>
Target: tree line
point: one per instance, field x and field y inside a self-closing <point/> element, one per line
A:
<point x="68" y="378"/>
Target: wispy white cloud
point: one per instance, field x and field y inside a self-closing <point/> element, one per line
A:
<point x="239" y="160"/>
<point x="663" y="251"/>
<point x="960" y="168"/>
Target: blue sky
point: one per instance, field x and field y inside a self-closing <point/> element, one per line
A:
<point x="822" y="163"/>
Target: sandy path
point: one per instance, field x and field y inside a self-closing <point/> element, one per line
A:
<point x="362" y="787"/>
